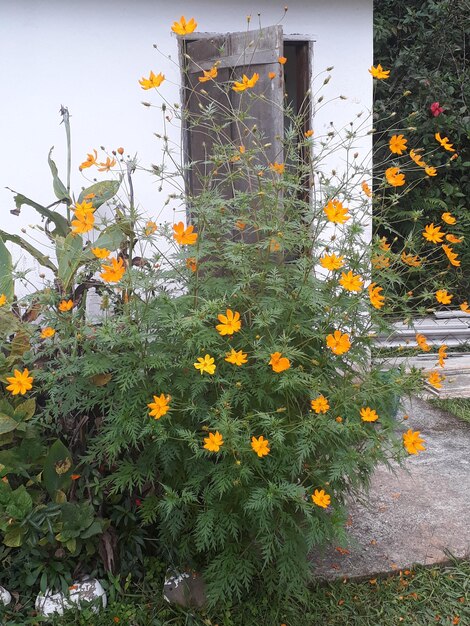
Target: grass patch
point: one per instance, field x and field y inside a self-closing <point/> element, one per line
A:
<point x="460" y="407"/>
<point x="417" y="597"/>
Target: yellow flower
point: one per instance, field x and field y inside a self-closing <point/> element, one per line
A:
<point x="229" y="323"/>
<point x="308" y="133"/>
<point x="332" y="262"/>
<point x="435" y="379"/>
<point x="409" y="259"/>
<point x="368" y="415"/>
<point x="380" y="261"/>
<point x="320" y="498"/>
<point x="379" y="73"/>
<point x="366" y="189"/>
<point x="65" y="305"/>
<point x="260" y="446"/>
<point x="442" y="355"/>
<point x="350" y="281"/>
<point x="394" y="177"/>
<point x="3" y="299"/>
<point x="430" y="171"/>
<point x="154" y="80"/>
<point x="417" y="158"/>
<point x="451" y="255"/>
<point x="376" y="298"/>
<point x="277" y="167"/>
<point x="453" y="239"/>
<point x="422" y="343"/>
<point x="191" y="263"/>
<point x="114" y="272"/>
<point x="444" y="141"/>
<point x="90" y="160"/>
<point x="213" y="442"/>
<point x="20" y="382"/>
<point x="320" y="404"/>
<point x="208" y="74"/>
<point x="448" y="218"/>
<point x="101" y="253"/>
<point x="236" y="358"/>
<point x="205" y="364"/>
<point x="397" y="144"/>
<point x="443" y="297"/>
<point x="85" y="208"/>
<point x="282" y="60"/>
<point x="183" y="27"/>
<point x="246" y="83"/>
<point x="159" y="406"/>
<point x="433" y="233"/>
<point x="464" y="307"/>
<point x="107" y="165"/>
<point x="47" y="333"/>
<point x="338" y="342"/>
<point x="278" y="362"/>
<point x="271" y="75"/>
<point x="83" y="223"/>
<point x="384" y="245"/>
<point x="184" y="236"/>
<point x="336" y="213"/>
<point x="150" y="228"/>
<point x="413" y="442"/>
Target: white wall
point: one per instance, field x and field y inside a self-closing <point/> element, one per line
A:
<point x="89" y="55"/>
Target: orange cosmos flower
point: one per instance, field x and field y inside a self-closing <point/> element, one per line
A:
<point x="20" y="382"/>
<point x="282" y="60"/>
<point x="321" y="498"/>
<point x="430" y="171"/>
<point x="236" y="358"/>
<point x="335" y="212"/>
<point x="183" y="27"/>
<point x="278" y="362"/>
<point x="277" y="167"/>
<point x="154" y="80"/>
<point x="368" y="415"/>
<point x="453" y="239"/>
<point x="213" y="442"/>
<point x="274" y="245"/>
<point x="271" y="75"/>
<point x="394" y="177"/>
<point x="83" y="208"/>
<point x="442" y="355"/>
<point x="433" y="233"/>
<point x="379" y="73"/>
<point x="443" y="297"/>
<point x="205" y="364"/>
<point x="246" y="83"/>
<point x="448" y="218"/>
<point x="332" y="262"/>
<point x="75" y="476"/>
<point x="409" y="259"/>
<point x="308" y="133"/>
<point x="229" y="323"/>
<point x="3" y="299"/>
<point x="350" y="281"/>
<point x="184" y="236"/>
<point x="47" y="333"/>
<point x="240" y="225"/>
<point x="150" y="228"/>
<point x="338" y="342"/>
<point x="451" y="255"/>
<point x="65" y="305"/>
<point x="380" y="261"/>
<point x="320" y="404"/>
<point x="159" y="406"/>
<point x="464" y="307"/>
<point x="444" y="141"/>
<point x="83" y="223"/>
<point x="397" y="144"/>
<point x="107" y="165"/>
<point x="376" y="298"/>
<point x="90" y="160"/>
<point x="422" y="343"/>
<point x="101" y="253"/>
<point x="413" y="442"/>
<point x="435" y="379"/>
<point x="366" y="189"/>
<point x="191" y="264"/>
<point x="417" y="158"/>
<point x="384" y="245"/>
<point x="114" y="272"/>
<point x="260" y="446"/>
<point x="208" y="74"/>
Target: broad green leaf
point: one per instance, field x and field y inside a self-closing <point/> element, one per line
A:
<point x="9" y="323"/>
<point x="59" y="187"/>
<point x="61" y="224"/>
<point x="13" y="537"/>
<point x="103" y="191"/>
<point x="39" y="256"/>
<point x="71" y="545"/>
<point x="58" y="467"/>
<point x="111" y="239"/>
<point x="26" y="409"/>
<point x="20" y="344"/>
<point x="69" y="258"/>
<point x="7" y="424"/>
<point x="7" y="286"/>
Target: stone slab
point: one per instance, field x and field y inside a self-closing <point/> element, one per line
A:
<point x="418" y="513"/>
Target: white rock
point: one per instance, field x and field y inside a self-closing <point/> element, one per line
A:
<point x="81" y="593"/>
<point x="5" y="596"/>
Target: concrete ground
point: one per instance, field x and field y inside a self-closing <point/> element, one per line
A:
<point x="418" y="514"/>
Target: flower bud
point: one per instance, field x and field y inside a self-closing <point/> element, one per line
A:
<point x="146" y="104"/>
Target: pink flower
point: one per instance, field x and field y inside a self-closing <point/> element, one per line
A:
<point x="436" y="109"/>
